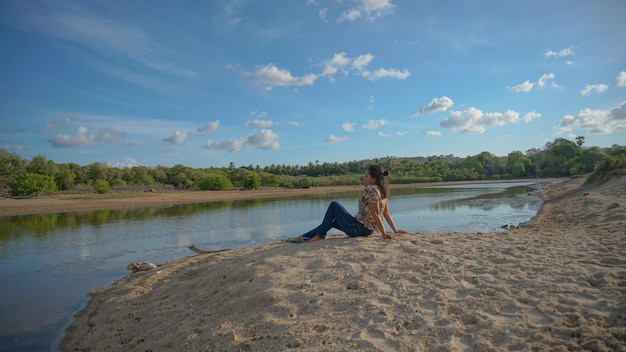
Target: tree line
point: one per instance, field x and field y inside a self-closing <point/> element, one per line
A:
<point x="561" y="157"/>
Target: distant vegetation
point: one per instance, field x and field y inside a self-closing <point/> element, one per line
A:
<point x="562" y="157"/>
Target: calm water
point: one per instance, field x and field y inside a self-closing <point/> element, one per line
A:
<point x="49" y="263"/>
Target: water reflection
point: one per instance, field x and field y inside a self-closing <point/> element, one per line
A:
<point x="49" y="262"/>
<point x="513" y="197"/>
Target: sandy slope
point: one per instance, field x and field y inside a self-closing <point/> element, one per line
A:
<point x="557" y="283"/>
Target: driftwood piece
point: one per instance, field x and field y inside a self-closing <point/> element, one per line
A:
<point x="199" y="250"/>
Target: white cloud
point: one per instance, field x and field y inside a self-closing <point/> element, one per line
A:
<point x="598" y="88"/>
<point x="432" y="134"/>
<point x="401" y="133"/>
<point x="437" y="104"/>
<point x="362" y="61"/>
<point x="545" y="78"/>
<point x="274" y="76"/>
<point x="233" y="145"/>
<point x="595" y="121"/>
<point x="336" y="139"/>
<point x="374" y="124"/>
<point x="127" y="163"/>
<point x="82" y="137"/>
<point x="621" y="79"/>
<point x="259" y="123"/>
<point x="271" y="75"/>
<point x="265" y="139"/>
<point x="561" y="53"/>
<point x="370" y="105"/>
<point x="383" y="134"/>
<point x="525" y="87"/>
<point x="385" y="73"/>
<point x="529" y="116"/>
<point x="177" y="138"/>
<point x="294" y="123"/>
<point x="348" y="126"/>
<point x="474" y="121"/>
<point x="209" y="127"/>
<point x="335" y="64"/>
<point x="350" y="15"/>
<point x="368" y="9"/>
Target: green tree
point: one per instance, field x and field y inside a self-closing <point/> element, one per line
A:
<point x="585" y="162"/>
<point x="29" y="184"/>
<point x="40" y="165"/>
<point x="115" y="176"/>
<point x="557" y="154"/>
<point x="518" y="164"/>
<point x="65" y="179"/>
<point x="237" y="176"/>
<point x="580" y="140"/>
<point x="252" y="180"/>
<point x="269" y="180"/>
<point x="96" y="171"/>
<point x="181" y="176"/>
<point x="11" y="165"/>
<point x="79" y="171"/>
<point x="215" y="182"/>
<point x="101" y="186"/>
<point x="303" y="181"/>
<point x="139" y="175"/>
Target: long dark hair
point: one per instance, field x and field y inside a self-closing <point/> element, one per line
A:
<point x="379" y="174"/>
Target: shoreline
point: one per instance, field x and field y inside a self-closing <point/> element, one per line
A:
<point x="556" y="282"/>
<point x="67" y="202"/>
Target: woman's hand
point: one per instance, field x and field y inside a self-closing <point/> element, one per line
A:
<point x="404" y="232"/>
<point x="389" y="236"/>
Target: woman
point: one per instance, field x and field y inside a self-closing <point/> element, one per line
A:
<point x="372" y="208"/>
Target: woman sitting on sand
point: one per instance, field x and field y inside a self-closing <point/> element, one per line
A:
<point x="372" y="208"/>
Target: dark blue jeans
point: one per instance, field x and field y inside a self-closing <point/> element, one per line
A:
<point x="338" y="217"/>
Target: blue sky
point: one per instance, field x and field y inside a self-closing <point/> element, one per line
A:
<point x="207" y="83"/>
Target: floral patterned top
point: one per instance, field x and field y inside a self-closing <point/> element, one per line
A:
<point x="371" y="194"/>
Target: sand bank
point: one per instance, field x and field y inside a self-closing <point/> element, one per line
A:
<point x="556" y="283"/>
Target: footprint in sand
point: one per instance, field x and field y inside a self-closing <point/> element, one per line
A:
<point x="537" y="317"/>
<point x="374" y="339"/>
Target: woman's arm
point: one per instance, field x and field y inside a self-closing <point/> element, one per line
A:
<point x="390" y="220"/>
<point x="376" y="212"/>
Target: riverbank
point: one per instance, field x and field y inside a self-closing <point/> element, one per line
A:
<point x="68" y="202"/>
<point x="558" y="282"/>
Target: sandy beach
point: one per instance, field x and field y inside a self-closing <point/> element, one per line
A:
<point x="557" y="283"/>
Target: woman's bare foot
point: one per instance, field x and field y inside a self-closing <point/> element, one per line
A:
<point x="316" y="238"/>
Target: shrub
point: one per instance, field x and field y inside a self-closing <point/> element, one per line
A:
<point x="101" y="186"/>
<point x="252" y="181"/>
<point x="29" y="184"/>
<point x="215" y="182"/>
<point x="608" y="167"/>
<point x="302" y="182"/>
